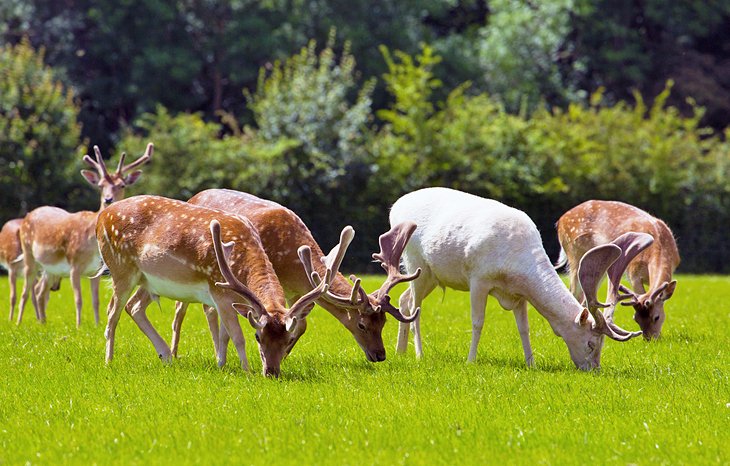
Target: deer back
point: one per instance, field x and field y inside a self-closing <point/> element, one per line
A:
<point x="10" y="247"/>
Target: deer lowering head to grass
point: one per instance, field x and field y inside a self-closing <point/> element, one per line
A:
<point x="175" y="249"/>
<point x="282" y="232"/>
<point x="598" y="222"/>
<point x="11" y="255"/>
<point x="479" y="245"/>
<point x="62" y="244"/>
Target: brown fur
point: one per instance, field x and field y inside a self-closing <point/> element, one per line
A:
<point x="146" y="236"/>
<point x="10" y="250"/>
<point x="282" y="232"/>
<point x="599" y="222"/>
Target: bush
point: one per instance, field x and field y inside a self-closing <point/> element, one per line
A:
<point x="40" y="154"/>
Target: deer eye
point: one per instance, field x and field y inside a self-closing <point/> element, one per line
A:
<point x="591" y="346"/>
<point x="257" y="337"/>
<point x="361" y="326"/>
<point x="656" y="318"/>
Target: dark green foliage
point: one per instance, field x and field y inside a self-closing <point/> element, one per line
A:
<point x="39" y="134"/>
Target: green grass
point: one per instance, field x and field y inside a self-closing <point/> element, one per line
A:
<point x="652" y="403"/>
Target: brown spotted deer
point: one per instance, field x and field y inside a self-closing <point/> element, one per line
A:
<point x="61" y="244"/>
<point x="479" y="245"/>
<point x="174" y="249"/>
<point x="282" y="232"/>
<point x="11" y="255"/>
<point x="598" y="222"/>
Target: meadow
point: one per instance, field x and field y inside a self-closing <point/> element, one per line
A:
<point x="664" y="402"/>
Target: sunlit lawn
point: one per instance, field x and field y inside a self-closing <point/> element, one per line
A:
<point x="661" y="402"/>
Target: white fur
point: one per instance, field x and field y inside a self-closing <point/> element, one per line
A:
<point x="470" y="243"/>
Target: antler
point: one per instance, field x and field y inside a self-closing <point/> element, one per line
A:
<point x="349" y="302"/>
<point x="254" y="310"/>
<point x="392" y="245"/>
<point x="143" y="159"/>
<point x="98" y="164"/>
<point x="332" y="261"/>
<point x="631" y="244"/>
<point x="593" y="265"/>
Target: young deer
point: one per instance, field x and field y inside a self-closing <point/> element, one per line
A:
<point x="171" y="248"/>
<point x="598" y="222"/>
<point x="479" y="245"/>
<point x="64" y="244"/>
<point x="11" y="255"/>
<point x="282" y="232"/>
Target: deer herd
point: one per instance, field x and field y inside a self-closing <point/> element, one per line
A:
<point x="240" y="255"/>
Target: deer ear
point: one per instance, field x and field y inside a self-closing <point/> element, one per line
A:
<point x="669" y="291"/>
<point x="132" y="177"/>
<point x="91" y="177"/>
<point x="291" y="323"/>
<point x="582" y="318"/>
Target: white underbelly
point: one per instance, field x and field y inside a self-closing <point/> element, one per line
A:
<point x="61" y="268"/>
<point x="187" y="292"/>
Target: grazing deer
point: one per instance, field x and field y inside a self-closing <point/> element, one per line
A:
<point x="598" y="222"/>
<point x="282" y="232"/>
<point x="174" y="249"/>
<point x="64" y="244"/>
<point x="11" y="255"/>
<point x="479" y="245"/>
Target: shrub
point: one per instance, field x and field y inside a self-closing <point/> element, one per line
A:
<point x="40" y="153"/>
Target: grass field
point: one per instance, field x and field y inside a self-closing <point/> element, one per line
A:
<point x="665" y="402"/>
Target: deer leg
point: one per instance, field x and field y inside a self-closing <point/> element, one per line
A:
<point x="233" y="329"/>
<point x="222" y="348"/>
<point x="211" y="316"/>
<point x="30" y="275"/>
<point x="575" y="288"/>
<point x="43" y="294"/>
<point x="181" y="309"/>
<point x="12" y="278"/>
<point x="523" y="326"/>
<point x="94" y="282"/>
<point x="478" y="298"/>
<point x="406" y="306"/>
<point x="136" y="307"/>
<point x="75" y="277"/>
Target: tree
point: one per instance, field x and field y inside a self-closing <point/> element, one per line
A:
<point x="39" y="134"/>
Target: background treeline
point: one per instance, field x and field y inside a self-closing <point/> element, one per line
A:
<point x="536" y="104"/>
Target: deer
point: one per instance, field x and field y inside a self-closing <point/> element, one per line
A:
<point x="64" y="244"/>
<point x="597" y="222"/>
<point x="175" y="249"/>
<point x="482" y="246"/>
<point x="11" y="256"/>
<point x="282" y="232"/>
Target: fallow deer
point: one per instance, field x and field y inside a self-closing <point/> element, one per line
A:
<point x="64" y="244"/>
<point x="11" y="255"/>
<point x="282" y="232"/>
<point x="171" y="248"/>
<point x="482" y="246"/>
<point x="598" y="222"/>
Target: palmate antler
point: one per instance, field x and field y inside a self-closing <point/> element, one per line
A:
<point x="631" y="244"/>
<point x="392" y="245"/>
<point x="612" y="258"/>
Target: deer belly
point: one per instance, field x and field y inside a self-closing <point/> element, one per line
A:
<point x="192" y="292"/>
<point x="60" y="268"/>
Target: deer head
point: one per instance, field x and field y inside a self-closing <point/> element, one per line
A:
<point x="370" y="309"/>
<point x="594" y="323"/>
<point x="112" y="184"/>
<point x="277" y="330"/>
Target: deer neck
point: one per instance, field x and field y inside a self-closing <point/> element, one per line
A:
<point x="549" y="295"/>
<point x="263" y="282"/>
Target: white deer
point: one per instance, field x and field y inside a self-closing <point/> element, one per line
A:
<point x="470" y="243"/>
